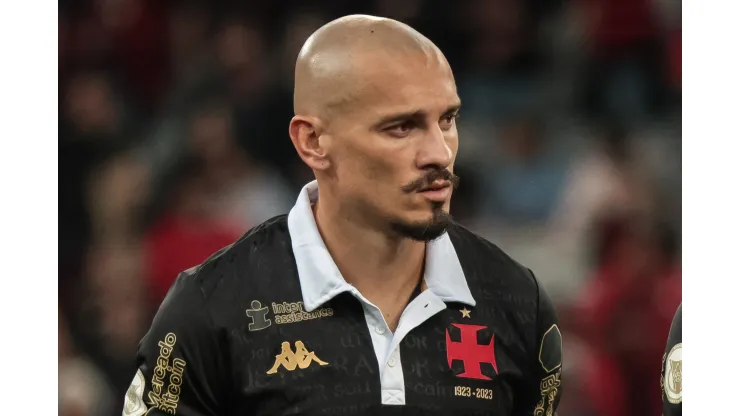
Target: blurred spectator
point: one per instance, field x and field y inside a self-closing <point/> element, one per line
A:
<point x="187" y="233"/>
<point x="83" y="390"/>
<point x="221" y="192"/>
<point x="84" y="38"/>
<point x="670" y="19"/>
<point x="117" y="196"/>
<point x="501" y="62"/>
<point x="114" y="307"/>
<point x="262" y="105"/>
<point x="91" y="130"/>
<point x="90" y="107"/>
<point x="247" y="192"/>
<point x="601" y="182"/>
<point x="624" y="59"/>
<point x="658" y="166"/>
<point x="115" y="273"/>
<point x="524" y="180"/>
<point x="500" y="28"/>
<point x="188" y="30"/>
<point x="624" y="315"/>
<point x="136" y="30"/>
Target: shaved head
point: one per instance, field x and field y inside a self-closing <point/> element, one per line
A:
<point x="375" y="119"/>
<point x="340" y="60"/>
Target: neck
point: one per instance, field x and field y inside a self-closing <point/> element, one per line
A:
<point x="383" y="267"/>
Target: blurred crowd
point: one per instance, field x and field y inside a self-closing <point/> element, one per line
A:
<point x="173" y="142"/>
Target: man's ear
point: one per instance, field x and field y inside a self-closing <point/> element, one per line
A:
<point x="305" y="133"/>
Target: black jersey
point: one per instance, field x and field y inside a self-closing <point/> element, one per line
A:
<point x="670" y="378"/>
<point x="268" y="326"/>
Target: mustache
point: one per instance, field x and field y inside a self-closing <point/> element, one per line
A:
<point x="427" y="180"/>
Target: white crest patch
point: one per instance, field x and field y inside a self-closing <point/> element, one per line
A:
<point x="672" y="385"/>
<point x="134" y="403"/>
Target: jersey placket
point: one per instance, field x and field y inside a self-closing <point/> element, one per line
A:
<point x="387" y="344"/>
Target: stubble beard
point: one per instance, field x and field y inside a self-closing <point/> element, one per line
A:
<point x="428" y="230"/>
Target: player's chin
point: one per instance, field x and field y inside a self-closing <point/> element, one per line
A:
<point x="428" y="211"/>
<point x="422" y="207"/>
<point x="423" y="229"/>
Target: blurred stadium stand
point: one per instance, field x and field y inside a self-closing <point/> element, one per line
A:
<point x="173" y="142"/>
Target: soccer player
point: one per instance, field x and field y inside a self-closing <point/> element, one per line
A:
<point x="366" y="298"/>
<point x="670" y="377"/>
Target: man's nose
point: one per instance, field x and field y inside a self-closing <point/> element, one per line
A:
<point x="434" y="151"/>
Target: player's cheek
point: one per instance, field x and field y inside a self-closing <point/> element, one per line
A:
<point x="453" y="143"/>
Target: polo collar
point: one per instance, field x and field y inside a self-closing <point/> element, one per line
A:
<point x="321" y="280"/>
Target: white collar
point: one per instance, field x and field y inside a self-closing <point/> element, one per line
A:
<point x="321" y="280"/>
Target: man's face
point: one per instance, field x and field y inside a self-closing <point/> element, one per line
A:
<point x="394" y="146"/>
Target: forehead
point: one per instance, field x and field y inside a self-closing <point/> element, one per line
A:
<point x="413" y="83"/>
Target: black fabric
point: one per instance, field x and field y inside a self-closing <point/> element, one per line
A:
<point x="236" y="314"/>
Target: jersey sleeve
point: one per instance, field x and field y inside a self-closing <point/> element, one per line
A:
<point x="182" y="360"/>
<point x="670" y="378"/>
<point x="541" y="392"/>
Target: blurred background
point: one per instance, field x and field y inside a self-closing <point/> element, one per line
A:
<point x="173" y="142"/>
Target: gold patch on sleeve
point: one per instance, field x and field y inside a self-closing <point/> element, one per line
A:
<point x="549" y="387"/>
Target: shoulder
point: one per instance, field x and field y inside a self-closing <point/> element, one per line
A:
<point x="254" y="264"/>
<point x="675" y="339"/>
<point x="267" y="242"/>
<point x="677" y="321"/>
<point x="488" y="266"/>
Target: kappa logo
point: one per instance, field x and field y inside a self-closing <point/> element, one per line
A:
<point x="290" y="360"/>
<point x="258" y="314"/>
<point x="470" y="352"/>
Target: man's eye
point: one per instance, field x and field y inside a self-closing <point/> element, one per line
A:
<point x="402" y="129"/>
<point x="449" y="119"/>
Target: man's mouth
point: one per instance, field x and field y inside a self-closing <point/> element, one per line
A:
<point x="437" y="191"/>
<point x="436" y="185"/>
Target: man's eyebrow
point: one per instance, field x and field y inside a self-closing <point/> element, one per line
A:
<point x="415" y="114"/>
<point x="452" y="109"/>
<point x="394" y="118"/>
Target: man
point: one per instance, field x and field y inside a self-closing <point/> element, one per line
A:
<point x="366" y="298"/>
<point x="670" y="377"/>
